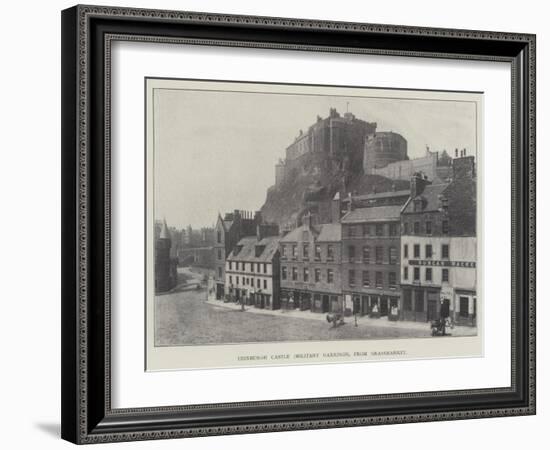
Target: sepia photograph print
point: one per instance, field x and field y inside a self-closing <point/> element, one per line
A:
<point x="305" y="224"/>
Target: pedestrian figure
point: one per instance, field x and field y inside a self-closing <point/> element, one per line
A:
<point x="443" y="315"/>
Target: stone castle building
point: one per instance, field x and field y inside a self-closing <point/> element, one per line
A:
<point x="340" y="137"/>
<point x="432" y="165"/>
<point x="383" y="148"/>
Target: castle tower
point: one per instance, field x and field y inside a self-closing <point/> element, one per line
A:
<point x="163" y="279"/>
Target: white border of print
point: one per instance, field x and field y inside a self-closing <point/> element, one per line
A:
<point x="252" y="354"/>
<point x="133" y="387"/>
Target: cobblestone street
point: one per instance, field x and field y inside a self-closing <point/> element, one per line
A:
<point x="184" y="317"/>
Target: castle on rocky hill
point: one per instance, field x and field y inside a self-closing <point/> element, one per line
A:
<point x="343" y="154"/>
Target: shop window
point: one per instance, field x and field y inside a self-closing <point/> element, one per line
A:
<point x="419" y="301"/>
<point x="407" y="300"/>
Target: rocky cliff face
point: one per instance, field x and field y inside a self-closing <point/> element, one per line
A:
<point x="312" y="181"/>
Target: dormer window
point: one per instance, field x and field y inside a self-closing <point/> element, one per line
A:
<point x="237" y="250"/>
<point x="259" y="249"/>
<point x="417" y="204"/>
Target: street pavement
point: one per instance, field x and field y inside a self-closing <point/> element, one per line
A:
<point x="185" y="316"/>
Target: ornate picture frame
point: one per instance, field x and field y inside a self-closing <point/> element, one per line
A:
<point x="88" y="33"/>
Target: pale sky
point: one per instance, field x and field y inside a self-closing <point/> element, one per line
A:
<point x="216" y="151"/>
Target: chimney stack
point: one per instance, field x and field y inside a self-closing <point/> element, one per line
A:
<point x="464" y="167"/>
<point x="350" y="202"/>
<point x="418" y="183"/>
<point x="307" y="220"/>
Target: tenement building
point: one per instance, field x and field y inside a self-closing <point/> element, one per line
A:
<point x="439" y="247"/>
<point x="310" y="267"/>
<point x="371" y="259"/>
<point x="228" y="232"/>
<point x="252" y="271"/>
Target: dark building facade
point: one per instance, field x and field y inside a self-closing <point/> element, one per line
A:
<point x="371" y="260"/>
<point x="439" y="247"/>
<point x="310" y="267"/>
<point x="166" y="274"/>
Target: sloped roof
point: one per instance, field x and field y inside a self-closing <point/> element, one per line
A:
<point x="248" y="251"/>
<point x="388" y="194"/>
<point x="373" y="214"/>
<point x="164" y="232"/>
<point x="296" y="234"/>
<point x="430" y="198"/>
<point x="330" y="232"/>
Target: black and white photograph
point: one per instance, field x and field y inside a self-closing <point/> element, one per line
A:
<point x="312" y="214"/>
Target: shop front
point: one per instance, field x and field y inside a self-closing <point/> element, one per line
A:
<point x="220" y="291"/>
<point x="465" y="307"/>
<point x="420" y="304"/>
<point x="320" y="303"/>
<point x="376" y="305"/>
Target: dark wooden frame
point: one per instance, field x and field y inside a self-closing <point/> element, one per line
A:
<point x="87" y="32"/>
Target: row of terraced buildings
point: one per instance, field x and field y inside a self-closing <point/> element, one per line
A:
<point x="399" y="255"/>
